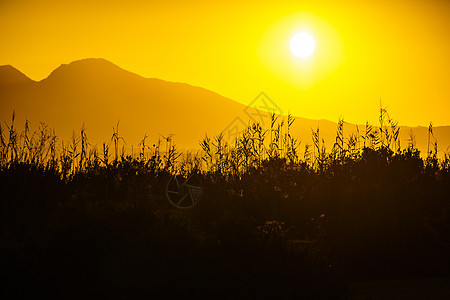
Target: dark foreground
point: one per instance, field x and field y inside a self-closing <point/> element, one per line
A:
<point x="358" y="222"/>
<point x="375" y="227"/>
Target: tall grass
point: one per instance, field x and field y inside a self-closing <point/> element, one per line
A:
<point x="217" y="155"/>
<point x="366" y="205"/>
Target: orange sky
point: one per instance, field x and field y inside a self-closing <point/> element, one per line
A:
<point x="396" y="51"/>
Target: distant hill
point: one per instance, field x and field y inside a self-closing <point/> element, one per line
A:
<point x="11" y="76"/>
<point x="99" y="94"/>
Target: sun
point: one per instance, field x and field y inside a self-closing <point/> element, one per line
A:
<point x="302" y="44"/>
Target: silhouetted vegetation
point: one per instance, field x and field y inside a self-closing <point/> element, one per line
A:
<point x="77" y="220"/>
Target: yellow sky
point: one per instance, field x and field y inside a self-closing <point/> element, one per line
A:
<point x="396" y="51"/>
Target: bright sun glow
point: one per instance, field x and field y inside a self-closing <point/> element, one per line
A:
<point x="293" y="50"/>
<point x="302" y="44"/>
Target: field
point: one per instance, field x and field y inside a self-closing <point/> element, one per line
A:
<point x="85" y="221"/>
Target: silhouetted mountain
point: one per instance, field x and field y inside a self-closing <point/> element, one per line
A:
<point x="99" y="94"/>
<point x="10" y="75"/>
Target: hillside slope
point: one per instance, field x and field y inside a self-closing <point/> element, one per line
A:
<point x="98" y="94"/>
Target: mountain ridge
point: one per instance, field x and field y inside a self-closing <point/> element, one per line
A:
<point x="10" y="75"/>
<point x="98" y="93"/>
<point x="95" y="92"/>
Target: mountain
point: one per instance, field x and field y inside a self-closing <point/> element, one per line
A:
<point x="11" y="76"/>
<point x="98" y="94"/>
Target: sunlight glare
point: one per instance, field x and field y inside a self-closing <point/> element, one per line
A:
<point x="302" y="44"/>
